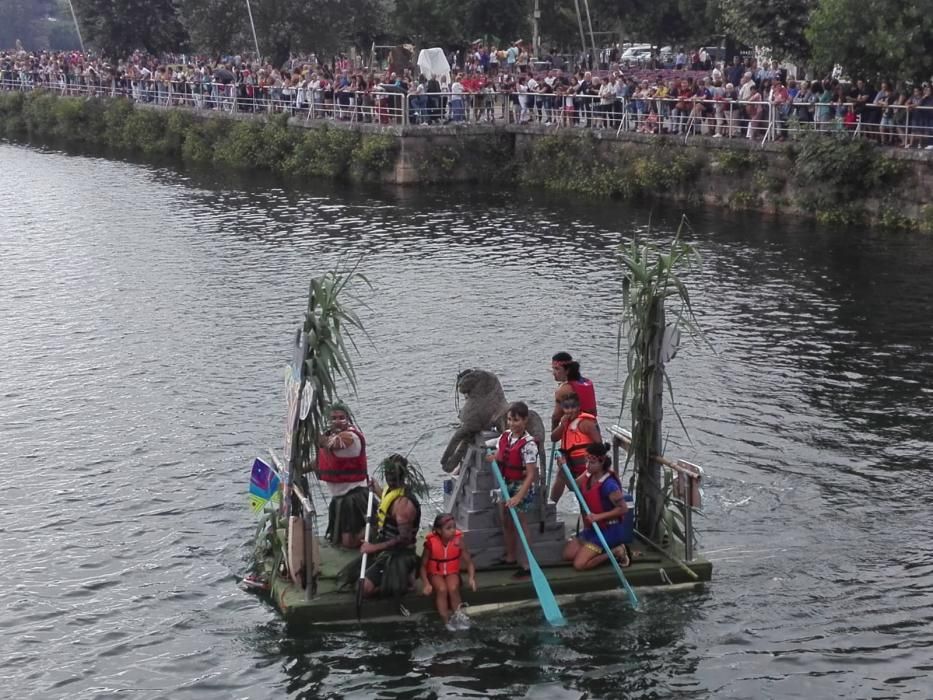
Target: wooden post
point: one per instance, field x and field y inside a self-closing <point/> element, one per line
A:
<point x="650" y="501"/>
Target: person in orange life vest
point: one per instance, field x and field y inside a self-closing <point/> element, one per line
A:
<point x="444" y="552"/>
<point x="341" y="464"/>
<point x="576" y="430"/>
<point x="566" y="373"/>
<point x="603" y="494"/>
<point x="516" y="454"/>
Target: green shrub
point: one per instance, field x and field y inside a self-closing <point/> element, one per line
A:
<point x="374" y="155"/>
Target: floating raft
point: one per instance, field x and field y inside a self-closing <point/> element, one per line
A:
<point x="495" y="587"/>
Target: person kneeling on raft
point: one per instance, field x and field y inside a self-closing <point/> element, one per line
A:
<point x="392" y="563"/>
<point x="341" y="465"/>
<point x="444" y="553"/>
<point x="603" y="493"/>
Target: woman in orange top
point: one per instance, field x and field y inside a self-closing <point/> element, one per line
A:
<point x="444" y="549"/>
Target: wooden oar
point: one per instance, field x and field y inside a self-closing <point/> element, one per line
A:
<point x="546" y="597"/>
<point x="633" y="599"/>
<point x="359" y="585"/>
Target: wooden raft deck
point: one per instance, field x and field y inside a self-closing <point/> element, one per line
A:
<point x="495" y="587"/>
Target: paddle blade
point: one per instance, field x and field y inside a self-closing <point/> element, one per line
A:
<point x="263" y="485"/>
<point x="546" y="598"/>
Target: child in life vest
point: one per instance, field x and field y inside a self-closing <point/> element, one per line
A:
<point x="603" y="494"/>
<point x="444" y="552"/>
<point x="516" y="454"/>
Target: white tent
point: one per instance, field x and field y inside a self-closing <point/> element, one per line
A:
<point x="433" y="64"/>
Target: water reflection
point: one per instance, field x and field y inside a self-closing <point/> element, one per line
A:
<point x="143" y="335"/>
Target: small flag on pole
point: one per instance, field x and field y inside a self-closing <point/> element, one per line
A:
<point x="263" y="485"/>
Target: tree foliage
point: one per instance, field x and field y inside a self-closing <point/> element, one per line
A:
<point x="38" y="24"/>
<point x="119" y="27"/>
<point x="659" y="21"/>
<point x="887" y="38"/>
<point x="779" y="24"/>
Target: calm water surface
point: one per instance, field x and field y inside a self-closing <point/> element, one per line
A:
<point x="145" y="316"/>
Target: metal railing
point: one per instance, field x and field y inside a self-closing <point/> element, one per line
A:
<point x="908" y="125"/>
<point x="687" y="477"/>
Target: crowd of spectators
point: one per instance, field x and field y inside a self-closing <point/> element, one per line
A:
<point x="691" y="95"/>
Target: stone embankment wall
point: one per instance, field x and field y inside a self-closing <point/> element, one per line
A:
<point x="833" y="179"/>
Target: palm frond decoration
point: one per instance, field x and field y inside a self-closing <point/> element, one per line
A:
<point x="329" y="326"/>
<point x="651" y="288"/>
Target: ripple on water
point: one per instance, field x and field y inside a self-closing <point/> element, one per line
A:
<point x="142" y="340"/>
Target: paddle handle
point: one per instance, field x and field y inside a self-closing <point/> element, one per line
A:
<point x="369" y="512"/>
<point x="568" y="476"/>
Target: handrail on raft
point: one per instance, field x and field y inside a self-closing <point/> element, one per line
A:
<point x="687" y="477"/>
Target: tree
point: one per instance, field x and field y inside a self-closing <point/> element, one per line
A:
<point x="869" y="38"/>
<point x="658" y="22"/>
<point x="119" y="27"/>
<point x="779" y="24"/>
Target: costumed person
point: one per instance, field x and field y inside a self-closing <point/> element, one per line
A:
<point x="441" y="561"/>
<point x="576" y="430"/>
<point x="392" y="563"/>
<point x="603" y="494"/>
<point x="566" y="373"/>
<point x="341" y="464"/>
<point x="516" y="453"/>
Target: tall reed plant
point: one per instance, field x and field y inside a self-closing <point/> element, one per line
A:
<point x="652" y="291"/>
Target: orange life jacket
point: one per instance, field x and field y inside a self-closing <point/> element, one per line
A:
<point x="574" y="443"/>
<point x="443" y="559"/>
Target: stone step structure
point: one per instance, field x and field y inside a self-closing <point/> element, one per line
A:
<point x="474" y="499"/>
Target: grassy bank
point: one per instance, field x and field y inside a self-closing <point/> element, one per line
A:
<point x="269" y="145"/>
<point x="836" y="180"/>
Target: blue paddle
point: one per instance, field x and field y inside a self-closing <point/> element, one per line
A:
<point x="599" y="534"/>
<point x="545" y="596"/>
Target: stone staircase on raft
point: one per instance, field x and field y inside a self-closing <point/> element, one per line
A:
<point x="474" y="501"/>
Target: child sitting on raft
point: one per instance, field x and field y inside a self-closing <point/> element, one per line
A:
<point x="603" y="493"/>
<point x="444" y="549"/>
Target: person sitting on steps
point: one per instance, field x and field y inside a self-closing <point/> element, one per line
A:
<point x="576" y="431"/>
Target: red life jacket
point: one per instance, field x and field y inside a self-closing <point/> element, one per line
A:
<point x="574" y="443"/>
<point x="341" y="470"/>
<point x="586" y="392"/>
<point x="509" y="458"/>
<point x="443" y="559"/>
<point x="592" y="494"/>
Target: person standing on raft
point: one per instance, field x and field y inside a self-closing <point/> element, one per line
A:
<point x="566" y="373"/>
<point x="444" y="549"/>
<point x="576" y="431"/>
<point x="603" y="493"/>
<point x="341" y="465"/>
<point x="517" y="457"/>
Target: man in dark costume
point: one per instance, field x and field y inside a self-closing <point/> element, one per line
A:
<point x="392" y="562"/>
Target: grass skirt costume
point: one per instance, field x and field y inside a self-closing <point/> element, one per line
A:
<point x="347" y="514"/>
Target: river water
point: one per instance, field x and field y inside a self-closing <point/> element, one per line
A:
<point x="145" y="317"/>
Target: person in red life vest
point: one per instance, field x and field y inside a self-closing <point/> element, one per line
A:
<point x="566" y="373"/>
<point x="516" y="454"/>
<point x="576" y="431"/>
<point x="341" y="464"/>
<point x="444" y="554"/>
<point x="603" y="494"/>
